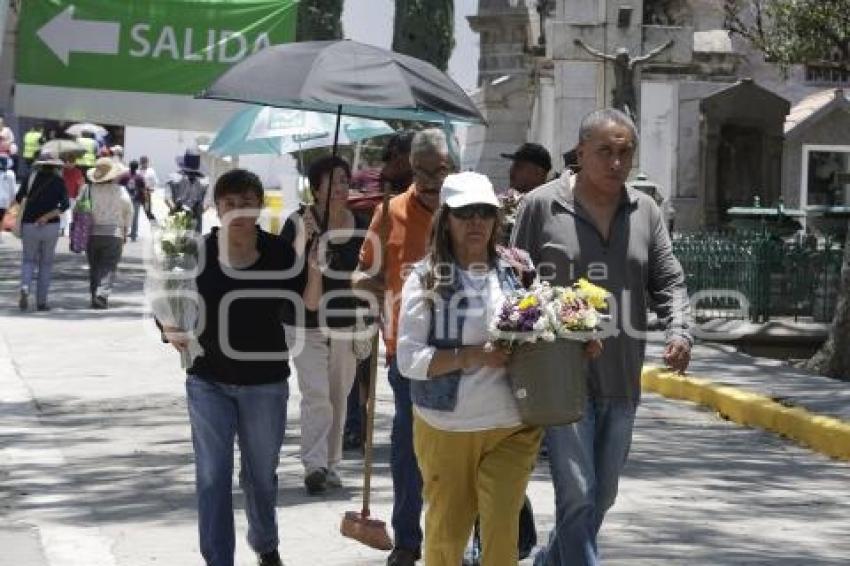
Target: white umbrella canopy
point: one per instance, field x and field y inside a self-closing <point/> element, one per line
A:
<point x="80" y="127"/>
<point x="62" y="147"/>
<point x="268" y="130"/>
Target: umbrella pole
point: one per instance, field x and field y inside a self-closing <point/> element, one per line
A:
<point x="335" y="150"/>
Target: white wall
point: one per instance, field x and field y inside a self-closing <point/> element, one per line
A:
<point x="659" y="127"/>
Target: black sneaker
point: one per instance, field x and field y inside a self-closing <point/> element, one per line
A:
<point x="316" y="481"/>
<point x="403" y="557"/>
<point x="42" y="308"/>
<point x="352" y="441"/>
<point x="100" y="303"/>
<point x="269" y="559"/>
<point x="23" y="300"/>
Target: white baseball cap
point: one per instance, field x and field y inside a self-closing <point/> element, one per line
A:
<point x="462" y="189"/>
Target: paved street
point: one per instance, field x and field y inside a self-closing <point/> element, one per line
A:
<point x="96" y="469"/>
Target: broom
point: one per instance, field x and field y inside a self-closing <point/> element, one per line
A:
<point x="359" y="525"/>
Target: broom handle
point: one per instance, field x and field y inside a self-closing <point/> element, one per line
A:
<point x="373" y="368"/>
<point x="370" y="424"/>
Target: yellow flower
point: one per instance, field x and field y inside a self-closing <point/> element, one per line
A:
<point x="568" y="295"/>
<point x="596" y="296"/>
<point x="528" y="302"/>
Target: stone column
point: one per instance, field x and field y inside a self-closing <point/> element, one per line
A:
<point x="504" y="75"/>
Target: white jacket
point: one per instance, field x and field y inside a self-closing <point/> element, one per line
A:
<point x="8" y="188"/>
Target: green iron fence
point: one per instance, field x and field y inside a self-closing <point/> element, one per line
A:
<point x="728" y="272"/>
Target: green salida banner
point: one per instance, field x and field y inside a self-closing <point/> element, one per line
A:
<point x="153" y="46"/>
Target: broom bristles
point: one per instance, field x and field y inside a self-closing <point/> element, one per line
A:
<point x="371" y="532"/>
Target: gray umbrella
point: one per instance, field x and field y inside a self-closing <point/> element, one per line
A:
<point x="345" y="77"/>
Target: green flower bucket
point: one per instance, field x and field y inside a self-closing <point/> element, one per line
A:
<point x="549" y="382"/>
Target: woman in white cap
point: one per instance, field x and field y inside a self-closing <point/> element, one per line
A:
<point x="112" y="214"/>
<point x="46" y="200"/>
<point x="474" y="452"/>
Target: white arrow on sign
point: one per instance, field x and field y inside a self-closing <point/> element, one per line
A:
<point x="63" y="34"/>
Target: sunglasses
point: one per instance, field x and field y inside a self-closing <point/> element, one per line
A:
<point x="483" y="211"/>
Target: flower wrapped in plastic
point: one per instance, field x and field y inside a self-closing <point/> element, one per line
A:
<point x="170" y="284"/>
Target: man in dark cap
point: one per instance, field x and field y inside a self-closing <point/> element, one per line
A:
<point x="530" y="168"/>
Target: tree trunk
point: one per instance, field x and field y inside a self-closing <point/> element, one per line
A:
<point x="425" y="29"/>
<point x="833" y="359"/>
<point x="319" y="20"/>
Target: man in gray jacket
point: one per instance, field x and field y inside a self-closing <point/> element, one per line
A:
<point x="590" y="225"/>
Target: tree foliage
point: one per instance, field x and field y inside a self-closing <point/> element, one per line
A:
<point x="425" y="29"/>
<point x="793" y="31"/>
<point x="319" y="20"/>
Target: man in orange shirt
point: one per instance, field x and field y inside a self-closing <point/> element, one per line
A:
<point x="406" y="241"/>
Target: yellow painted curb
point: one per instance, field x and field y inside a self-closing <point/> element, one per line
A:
<point x="828" y="435"/>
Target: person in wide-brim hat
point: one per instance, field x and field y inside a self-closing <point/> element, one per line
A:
<point x="190" y="162"/>
<point x="105" y="170"/>
<point x="111" y="217"/>
<point x="48" y="159"/>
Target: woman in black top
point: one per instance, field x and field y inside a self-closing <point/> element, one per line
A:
<point x="325" y="360"/>
<point x="238" y="387"/>
<point x="46" y="200"/>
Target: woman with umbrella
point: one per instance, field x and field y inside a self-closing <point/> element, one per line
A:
<point x="43" y="198"/>
<point x="326" y="364"/>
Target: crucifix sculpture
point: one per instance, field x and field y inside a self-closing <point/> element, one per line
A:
<point x="625" y="96"/>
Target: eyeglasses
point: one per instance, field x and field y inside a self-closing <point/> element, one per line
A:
<point x="483" y="211"/>
<point x="437" y="174"/>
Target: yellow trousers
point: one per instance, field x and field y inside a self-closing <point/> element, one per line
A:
<point x="465" y="474"/>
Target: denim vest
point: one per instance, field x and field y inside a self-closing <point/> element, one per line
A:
<point x="440" y="392"/>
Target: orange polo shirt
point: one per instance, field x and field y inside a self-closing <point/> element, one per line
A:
<point x="409" y="235"/>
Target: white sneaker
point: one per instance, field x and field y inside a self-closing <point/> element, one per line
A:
<point x="332" y="478"/>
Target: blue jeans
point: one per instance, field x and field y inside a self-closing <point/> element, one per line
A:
<point x="39" y="249"/>
<point x="407" y="481"/>
<point x="256" y="414"/>
<point x="586" y="459"/>
<point x="134" y="228"/>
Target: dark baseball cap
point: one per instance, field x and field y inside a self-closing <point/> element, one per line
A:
<point x="399" y="142"/>
<point x="533" y="153"/>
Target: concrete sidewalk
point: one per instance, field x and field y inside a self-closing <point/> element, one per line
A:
<point x="762" y="392"/>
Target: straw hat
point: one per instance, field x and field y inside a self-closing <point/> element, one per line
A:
<point x="105" y="169"/>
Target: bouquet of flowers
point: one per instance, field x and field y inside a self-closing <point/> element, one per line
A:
<point x="509" y="203"/>
<point x="545" y="328"/>
<point x="521" y="263"/>
<point x="171" y="279"/>
<point x="545" y="313"/>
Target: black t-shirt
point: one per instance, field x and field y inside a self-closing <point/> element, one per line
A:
<point x="343" y="258"/>
<point x="254" y="324"/>
<point x="46" y="194"/>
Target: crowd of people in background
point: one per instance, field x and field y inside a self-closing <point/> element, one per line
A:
<point x="39" y="204"/>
